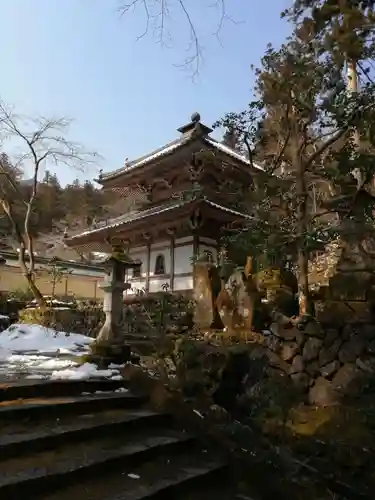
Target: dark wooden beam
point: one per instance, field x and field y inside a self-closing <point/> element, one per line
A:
<point x="172" y="257"/>
<point x="148" y="265"/>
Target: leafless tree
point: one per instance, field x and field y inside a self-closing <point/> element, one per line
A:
<point x="157" y="22"/>
<point x="36" y="143"/>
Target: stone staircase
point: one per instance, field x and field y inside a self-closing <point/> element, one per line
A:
<point x="98" y="441"/>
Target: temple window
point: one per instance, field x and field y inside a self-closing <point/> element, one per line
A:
<point x="160" y="264"/>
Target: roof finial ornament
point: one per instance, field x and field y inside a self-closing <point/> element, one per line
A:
<point x="196" y="117"/>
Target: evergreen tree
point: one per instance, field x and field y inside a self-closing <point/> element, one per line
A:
<point x="304" y="121"/>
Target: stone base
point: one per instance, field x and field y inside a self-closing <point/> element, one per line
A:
<point x="105" y="354"/>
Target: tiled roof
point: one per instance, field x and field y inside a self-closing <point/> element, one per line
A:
<point x="135" y="216"/>
<point x="125" y="219"/>
<point x="173" y="146"/>
<point x="13" y="256"/>
<point x="231" y="152"/>
<point x="158" y="153"/>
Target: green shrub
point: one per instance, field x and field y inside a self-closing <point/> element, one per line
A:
<point x="59" y="319"/>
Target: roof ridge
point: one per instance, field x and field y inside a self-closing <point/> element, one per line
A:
<point x="155" y="151"/>
<point x="159" y="152"/>
<point x="231" y="152"/>
<point x="172" y="146"/>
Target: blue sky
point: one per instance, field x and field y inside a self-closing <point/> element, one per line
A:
<point x="78" y="59"/>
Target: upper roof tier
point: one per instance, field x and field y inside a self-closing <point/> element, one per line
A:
<point x="192" y="131"/>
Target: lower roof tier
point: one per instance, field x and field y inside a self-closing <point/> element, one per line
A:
<point x="149" y="223"/>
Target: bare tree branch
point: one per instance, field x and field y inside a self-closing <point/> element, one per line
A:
<point x="39" y="141"/>
<point x="156" y="14"/>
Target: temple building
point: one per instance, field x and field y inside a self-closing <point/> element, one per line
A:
<point x="182" y="206"/>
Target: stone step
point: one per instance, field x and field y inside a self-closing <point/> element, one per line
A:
<point x="107" y="445"/>
<point x="18" y="439"/>
<point x="38" y="408"/>
<point x="169" y="476"/>
<point x="30" y="475"/>
<point x="53" y="388"/>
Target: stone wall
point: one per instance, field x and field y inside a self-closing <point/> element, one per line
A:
<point x="326" y="364"/>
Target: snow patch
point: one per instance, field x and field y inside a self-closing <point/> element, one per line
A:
<point x="83" y="372"/>
<point x="37" y="352"/>
<point x="26" y="338"/>
<point x="36" y="376"/>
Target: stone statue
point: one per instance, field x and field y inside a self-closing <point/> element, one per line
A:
<point x="204" y="304"/>
<point x="236" y="301"/>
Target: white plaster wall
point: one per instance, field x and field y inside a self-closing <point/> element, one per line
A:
<point x="183" y="283"/>
<point x="186" y="239"/>
<point x="207" y="241"/>
<point x="139" y="253"/>
<point x="156" y="283"/>
<point x="156" y="249"/>
<point x="136" y="285"/>
<point x="182" y="259"/>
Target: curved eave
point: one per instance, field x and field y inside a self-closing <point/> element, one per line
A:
<point x="171" y="149"/>
<point x="232" y="153"/>
<point x="143" y="220"/>
<point x="121" y="224"/>
<point x="160" y="153"/>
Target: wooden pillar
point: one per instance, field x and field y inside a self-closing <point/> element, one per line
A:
<point x="148" y="266"/>
<point x="126" y="245"/>
<point x="195" y="253"/>
<point x="218" y="248"/>
<point x="195" y="244"/>
<point x="172" y="259"/>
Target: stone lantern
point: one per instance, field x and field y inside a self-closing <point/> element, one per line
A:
<point x="113" y="286"/>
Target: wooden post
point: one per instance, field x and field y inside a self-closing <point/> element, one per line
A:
<point x="148" y="266"/>
<point x="172" y="259"/>
<point x="195" y="244"/>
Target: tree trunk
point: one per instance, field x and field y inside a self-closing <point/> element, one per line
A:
<point x="302" y="223"/>
<point x="303" y="283"/>
<point x="303" y="258"/>
<point x="352" y="86"/>
<point x="30" y="280"/>
<point x="35" y="290"/>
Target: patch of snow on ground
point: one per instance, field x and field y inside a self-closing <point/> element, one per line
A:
<point x="37" y="352"/>
<point x="83" y="372"/>
<point x="26" y="338"/>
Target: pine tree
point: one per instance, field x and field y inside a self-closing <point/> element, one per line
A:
<point x="304" y="121"/>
